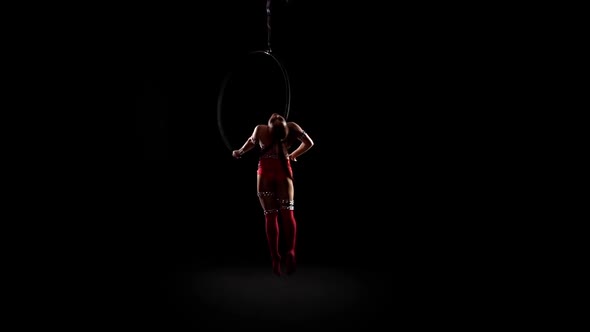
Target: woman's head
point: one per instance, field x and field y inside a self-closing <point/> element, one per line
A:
<point x="278" y="126"/>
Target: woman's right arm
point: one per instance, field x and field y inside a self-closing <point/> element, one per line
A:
<point x="304" y="138"/>
<point x="248" y="145"/>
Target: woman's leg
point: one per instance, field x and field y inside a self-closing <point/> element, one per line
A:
<point x="286" y="193"/>
<point x="268" y="201"/>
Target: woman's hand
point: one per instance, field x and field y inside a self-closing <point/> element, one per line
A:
<point x="291" y="157"/>
<point x="237" y="154"/>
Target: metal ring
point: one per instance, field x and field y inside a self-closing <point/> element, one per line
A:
<point x="224" y="85"/>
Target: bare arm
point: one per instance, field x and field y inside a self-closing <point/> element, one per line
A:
<point x="304" y="138"/>
<point x="248" y="145"/>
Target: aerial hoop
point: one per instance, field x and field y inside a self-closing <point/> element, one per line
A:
<point x="267" y="52"/>
<point x="227" y="78"/>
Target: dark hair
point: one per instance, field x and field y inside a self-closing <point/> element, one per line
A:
<point x="278" y="132"/>
<point x="279" y="137"/>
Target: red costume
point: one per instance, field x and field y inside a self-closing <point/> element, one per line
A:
<point x="273" y="168"/>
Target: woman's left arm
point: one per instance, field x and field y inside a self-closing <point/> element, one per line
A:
<point x="248" y="145"/>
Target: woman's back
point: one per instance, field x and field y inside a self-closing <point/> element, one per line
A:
<point x="264" y="136"/>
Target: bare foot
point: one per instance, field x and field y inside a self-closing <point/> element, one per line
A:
<point x="290" y="263"/>
<point x="276" y="266"/>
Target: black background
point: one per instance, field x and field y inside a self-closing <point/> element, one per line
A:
<point x="399" y="100"/>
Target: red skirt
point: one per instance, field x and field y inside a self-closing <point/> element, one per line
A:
<point x="275" y="168"/>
